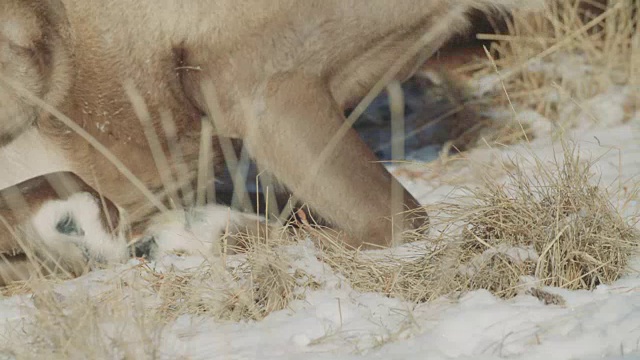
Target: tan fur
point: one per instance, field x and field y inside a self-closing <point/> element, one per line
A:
<point x="283" y="70"/>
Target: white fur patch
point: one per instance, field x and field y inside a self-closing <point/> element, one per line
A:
<point x="196" y="231"/>
<point x="93" y="243"/>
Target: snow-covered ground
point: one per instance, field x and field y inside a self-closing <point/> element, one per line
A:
<point x="336" y="322"/>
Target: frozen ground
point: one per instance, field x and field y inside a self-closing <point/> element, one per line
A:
<point x="336" y="322"/>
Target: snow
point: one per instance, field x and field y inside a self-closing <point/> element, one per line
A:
<point x="337" y="322"/>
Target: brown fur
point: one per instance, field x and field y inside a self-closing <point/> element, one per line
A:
<point x="283" y="72"/>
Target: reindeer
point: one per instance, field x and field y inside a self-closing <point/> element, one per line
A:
<point x="92" y="79"/>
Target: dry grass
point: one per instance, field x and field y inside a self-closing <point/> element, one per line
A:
<point x="417" y="278"/>
<point x="124" y="317"/>
<point x="552" y="61"/>
<point x="109" y="325"/>
<point x="551" y="225"/>
<point x="260" y="282"/>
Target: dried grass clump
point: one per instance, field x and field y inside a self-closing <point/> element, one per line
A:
<point x="576" y="49"/>
<point x="248" y="287"/>
<point x="111" y="325"/>
<point x="419" y="278"/>
<point x="498" y="273"/>
<point x="123" y="317"/>
<point x="552" y="224"/>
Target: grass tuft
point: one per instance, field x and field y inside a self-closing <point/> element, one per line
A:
<point x="246" y="287"/>
<point x="553" y="224"/>
<point x="549" y="226"/>
<point x="553" y="61"/>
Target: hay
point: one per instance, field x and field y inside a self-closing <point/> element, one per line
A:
<point x="246" y="287"/>
<point x="572" y="235"/>
<point x="552" y="225"/>
<point x="416" y="279"/>
<point x="82" y="325"/>
<point x="554" y="59"/>
<point x="124" y="316"/>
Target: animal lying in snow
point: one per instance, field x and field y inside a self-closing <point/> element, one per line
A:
<point x="124" y="89"/>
